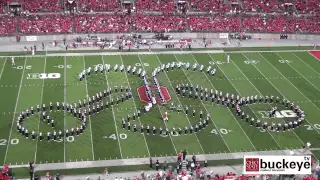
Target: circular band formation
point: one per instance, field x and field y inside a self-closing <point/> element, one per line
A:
<point x="203" y="123"/>
<point x="80" y="111"/>
<point x="237" y="103"/>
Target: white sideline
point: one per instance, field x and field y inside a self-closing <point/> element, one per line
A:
<point x="169" y="159"/>
<point x="151" y="53"/>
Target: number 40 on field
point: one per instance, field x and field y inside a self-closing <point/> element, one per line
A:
<point x="114" y="136"/>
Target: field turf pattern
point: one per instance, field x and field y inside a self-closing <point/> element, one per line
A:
<point x="297" y="80"/>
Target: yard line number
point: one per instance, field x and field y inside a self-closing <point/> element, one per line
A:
<point x="23" y="67"/>
<point x="3" y="142"/>
<point x="310" y="127"/>
<point x="283" y="61"/>
<point x="143" y="64"/>
<point x="114" y="136"/>
<point x="251" y="62"/>
<point x="69" y="139"/>
<point x="62" y="66"/>
<point x="43" y="76"/>
<point x="222" y="131"/>
<point x="215" y="62"/>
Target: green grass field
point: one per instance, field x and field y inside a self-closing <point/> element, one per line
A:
<point x="293" y="75"/>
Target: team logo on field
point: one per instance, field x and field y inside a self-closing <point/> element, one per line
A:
<point x="277" y="164"/>
<point x="279" y="114"/>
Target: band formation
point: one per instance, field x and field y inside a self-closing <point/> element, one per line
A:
<point x="102" y="101"/>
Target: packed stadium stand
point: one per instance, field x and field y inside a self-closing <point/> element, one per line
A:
<point x="215" y="23"/>
<point x="98" y="5"/>
<point x="264" y="16"/>
<point x="159" y="23"/>
<point x="44" y="24"/>
<point x="101" y="23"/>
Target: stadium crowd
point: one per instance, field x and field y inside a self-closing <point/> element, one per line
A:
<point x="267" y="16"/>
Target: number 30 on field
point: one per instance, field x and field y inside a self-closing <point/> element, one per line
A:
<point x="23" y="67"/>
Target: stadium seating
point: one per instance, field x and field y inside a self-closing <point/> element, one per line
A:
<point x="102" y="23"/>
<point x="43" y="5"/>
<point x="212" y="18"/>
<point x="308" y="6"/>
<point x="152" y="5"/>
<point x="206" y="5"/>
<point x="253" y="23"/>
<point x="159" y="23"/>
<point x="45" y="24"/>
<point x="215" y="23"/>
<point x="261" y="5"/>
<point x="7" y="25"/>
<point x="98" y="5"/>
<point x="281" y="24"/>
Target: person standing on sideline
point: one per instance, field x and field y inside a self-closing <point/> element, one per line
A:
<point x="150" y="162"/>
<point x="184" y="154"/>
<point x="157" y="165"/>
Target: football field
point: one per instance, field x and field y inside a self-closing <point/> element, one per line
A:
<point x="294" y="76"/>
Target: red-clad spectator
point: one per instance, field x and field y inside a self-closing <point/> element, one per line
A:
<point x="198" y="171"/>
<point x="169" y="174"/>
<point x="183" y="173"/>
<point x="241" y="178"/>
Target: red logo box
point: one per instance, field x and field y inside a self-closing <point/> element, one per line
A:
<point x="252" y="164"/>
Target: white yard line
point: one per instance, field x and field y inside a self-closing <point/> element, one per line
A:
<point x="228" y="108"/>
<point x="276" y="89"/>
<point x="299" y="73"/>
<point x="294" y="87"/>
<point x="15" y="110"/>
<point x="256" y="90"/>
<point x="64" y="112"/>
<point x="5" y="62"/>
<point x="307" y="64"/>
<point x="84" y="66"/>
<point x="39" y="119"/>
<point x="114" y="118"/>
<point x="204" y="106"/>
<point x="134" y="103"/>
<point x="180" y="105"/>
